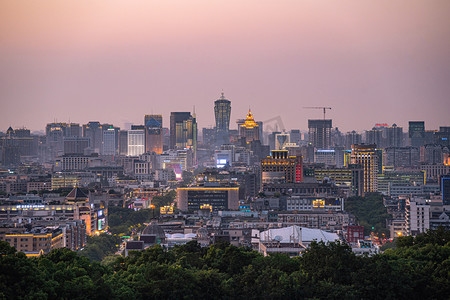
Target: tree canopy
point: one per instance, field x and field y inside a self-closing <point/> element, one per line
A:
<point x="415" y="270"/>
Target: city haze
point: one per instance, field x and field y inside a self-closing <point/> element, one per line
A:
<point x="114" y="61"/>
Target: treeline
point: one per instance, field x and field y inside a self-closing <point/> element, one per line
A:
<point x="416" y="269"/>
<point x="369" y="212"/>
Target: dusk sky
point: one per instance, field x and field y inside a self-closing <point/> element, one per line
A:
<point x="114" y="61"/>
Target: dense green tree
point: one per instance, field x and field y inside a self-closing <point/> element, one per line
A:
<point x="417" y="269"/>
<point x="370" y="212"/>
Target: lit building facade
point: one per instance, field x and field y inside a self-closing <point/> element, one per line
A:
<point x="213" y="198"/>
<point x="367" y="157"/>
<point x="136" y="142"/>
<point x="183" y="132"/>
<point x="281" y="168"/>
<point x="250" y="129"/>
<point x="153" y="134"/>
<point x="353" y="177"/>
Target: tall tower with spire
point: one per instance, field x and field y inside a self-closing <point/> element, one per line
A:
<point x="222" y="112"/>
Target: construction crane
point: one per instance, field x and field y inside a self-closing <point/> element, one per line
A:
<point x="319" y="107"/>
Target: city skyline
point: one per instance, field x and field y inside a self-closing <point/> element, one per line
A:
<point x="379" y="62"/>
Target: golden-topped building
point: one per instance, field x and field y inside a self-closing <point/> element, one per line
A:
<point x="250" y="129"/>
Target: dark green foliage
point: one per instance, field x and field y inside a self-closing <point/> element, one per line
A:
<point x="370" y="212"/>
<point x="120" y="220"/>
<point x="100" y="246"/>
<point x="167" y="199"/>
<point x="418" y="269"/>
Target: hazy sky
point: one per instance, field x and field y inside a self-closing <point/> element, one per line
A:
<point x="116" y="60"/>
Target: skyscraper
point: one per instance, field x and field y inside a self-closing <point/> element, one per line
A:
<point x="320" y="133"/>
<point x="250" y="129"/>
<point x="281" y="168"/>
<point x="110" y="141"/>
<point x="183" y="131"/>
<point x="445" y="189"/>
<point x="222" y="113"/>
<point x="153" y="134"/>
<point x="375" y="136"/>
<point x="417" y="133"/>
<point x="367" y="157"/>
<point x="136" y="141"/>
<point x="394" y="136"/>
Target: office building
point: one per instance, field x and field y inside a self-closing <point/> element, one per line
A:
<point x="212" y="198"/>
<point x="352" y="177"/>
<point x="281" y="168"/>
<point x="183" y="131"/>
<point x="352" y="138"/>
<point x="123" y="142"/>
<point x="442" y="137"/>
<point x="110" y="141"/>
<point x="445" y="189"/>
<point x="325" y="156"/>
<point x="136" y="142"/>
<point x="153" y="134"/>
<point x="250" y="129"/>
<point x="416" y="133"/>
<point x="394" y="136"/>
<point x="281" y="140"/>
<point x="222" y="113"/>
<point x="272" y="140"/>
<point x="405" y="157"/>
<point x="433" y="154"/>
<point x="320" y="133"/>
<point x="94" y="131"/>
<point x="295" y="136"/>
<point x="75" y="145"/>
<point x="375" y="136"/>
<point x="367" y="157"/>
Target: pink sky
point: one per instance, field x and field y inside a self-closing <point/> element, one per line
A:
<point x="116" y="60"/>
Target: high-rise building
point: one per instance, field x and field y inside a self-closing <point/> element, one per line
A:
<point x="222" y="113"/>
<point x="272" y="143"/>
<point x="367" y="157"/>
<point x="394" y="136"/>
<point x="75" y="145"/>
<point x="123" y="142"/>
<point x="281" y="140"/>
<point x="73" y="129"/>
<point x="94" y="131"/>
<point x="406" y="157"/>
<point x="442" y="137"/>
<point x="281" y="168"/>
<point x="320" y="133"/>
<point x="433" y="154"/>
<point x="136" y="141"/>
<point x="250" y="129"/>
<point x="153" y="134"/>
<point x="55" y="133"/>
<point x="445" y="189"/>
<point x="17" y="143"/>
<point x="183" y="132"/>
<point x="375" y="136"/>
<point x="295" y="136"/>
<point x="110" y="141"/>
<point x="416" y="133"/>
<point x="352" y="138"/>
